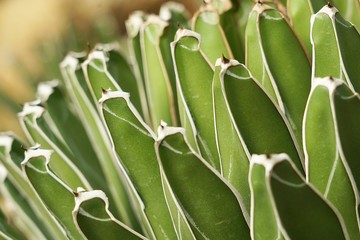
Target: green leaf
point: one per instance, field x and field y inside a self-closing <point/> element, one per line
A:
<point x="133" y="142"/>
<point x="194" y="82"/>
<point x="232" y="31"/>
<point x="300" y="12"/>
<point x="11" y="156"/>
<point x="181" y="224"/>
<point x="100" y="141"/>
<point x="176" y="15"/>
<point x="324" y="164"/>
<point x="265" y="223"/>
<point x="346" y="106"/>
<point x="67" y="132"/>
<point x="51" y="189"/>
<point x="206" y="22"/>
<point x="119" y="68"/>
<point x="233" y="152"/>
<point x="254" y="58"/>
<point x="261" y="124"/>
<point x="158" y="86"/>
<point x="342" y="46"/>
<point x="23" y="217"/>
<point x="97" y="75"/>
<point x="349" y="9"/>
<point x="92" y="217"/>
<point x="62" y="166"/>
<point x="282" y="64"/>
<point x="297" y="205"/>
<point x="213" y="208"/>
<point x="133" y="25"/>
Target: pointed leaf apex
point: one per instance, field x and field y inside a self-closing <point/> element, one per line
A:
<point x="82" y="196"/>
<point x="269" y="160"/>
<point x="36" y="151"/>
<point x="328" y="82"/>
<point x="134" y="23"/>
<point x="328" y="9"/>
<point x="164" y="131"/>
<point x="108" y="94"/>
<point x="155" y="19"/>
<point x="168" y="7"/>
<point x="32" y="108"/>
<point x="45" y="89"/>
<point x="71" y="61"/>
<point x="183" y="33"/>
<point x="225" y="63"/>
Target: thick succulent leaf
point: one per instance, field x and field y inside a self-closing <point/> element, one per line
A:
<point x="243" y="12"/>
<point x="176" y="15"/>
<point x="300" y="12"/>
<point x="17" y="208"/>
<point x="349" y="9"/>
<point x="265" y="223"/>
<point x="61" y="164"/>
<point x="133" y="26"/>
<point x="50" y="189"/>
<point x="11" y="156"/>
<point x="342" y="45"/>
<point x="325" y="54"/>
<point x="260" y="122"/>
<point x="347" y="113"/>
<point x="324" y="164"/>
<point x="283" y="64"/>
<point x="65" y="129"/>
<point x="230" y="25"/>
<point x="119" y="68"/>
<point x="213" y="208"/>
<point x="233" y="152"/>
<point x="158" y="87"/>
<point x="133" y="143"/>
<point x="194" y="82"/>
<point x="213" y="43"/>
<point x="181" y="224"/>
<point x="297" y="204"/>
<point x="254" y="58"/>
<point x="100" y="141"/>
<point x="97" y="75"/>
<point x="92" y="217"/>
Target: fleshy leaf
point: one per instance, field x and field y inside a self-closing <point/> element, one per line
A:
<point x="95" y="129"/>
<point x="50" y="189"/>
<point x="233" y="152"/>
<point x="212" y="206"/>
<point x="92" y="217"/>
<point x="158" y="87"/>
<point x="261" y="124"/>
<point x="11" y="156"/>
<point x="206" y="22"/>
<point x="342" y="46"/>
<point x="194" y="82"/>
<point x="282" y="64"/>
<point x="297" y="205"/>
<point x="133" y="142"/>
<point x="324" y="163"/>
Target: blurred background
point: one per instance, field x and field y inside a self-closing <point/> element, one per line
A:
<point x="36" y="35"/>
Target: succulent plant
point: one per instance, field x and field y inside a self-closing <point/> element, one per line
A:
<point x="241" y="123"/>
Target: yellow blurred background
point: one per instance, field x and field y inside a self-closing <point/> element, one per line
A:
<point x="30" y="30"/>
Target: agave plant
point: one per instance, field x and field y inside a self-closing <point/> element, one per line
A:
<point x="241" y="123"/>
